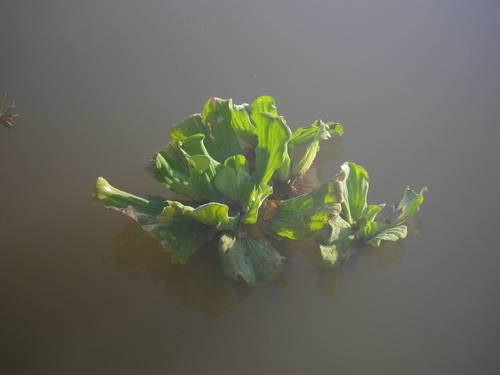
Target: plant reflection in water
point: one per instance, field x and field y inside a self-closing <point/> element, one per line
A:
<point x="197" y="285"/>
<point x="200" y="284"/>
<point x="331" y="281"/>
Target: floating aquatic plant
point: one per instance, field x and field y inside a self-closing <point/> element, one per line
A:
<point x="360" y="221"/>
<point x="238" y="168"/>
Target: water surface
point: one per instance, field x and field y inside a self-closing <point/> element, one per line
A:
<point x="99" y="83"/>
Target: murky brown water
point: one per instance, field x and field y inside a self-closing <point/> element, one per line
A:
<point x="83" y="291"/>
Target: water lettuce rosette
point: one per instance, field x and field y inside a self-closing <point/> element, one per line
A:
<point x="240" y="179"/>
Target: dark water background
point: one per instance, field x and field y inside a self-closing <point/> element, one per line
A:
<point x="98" y="83"/>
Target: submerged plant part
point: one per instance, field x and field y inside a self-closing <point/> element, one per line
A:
<point x="237" y="168"/>
<point x="360" y="221"/>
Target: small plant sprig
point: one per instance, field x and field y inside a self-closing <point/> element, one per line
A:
<point x="243" y="181"/>
<point x="361" y="222"/>
<point x="7" y="115"/>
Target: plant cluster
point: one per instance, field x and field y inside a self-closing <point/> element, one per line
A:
<point x="240" y="172"/>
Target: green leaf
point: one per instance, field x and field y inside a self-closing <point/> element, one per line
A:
<point x="248" y="259"/>
<point x="256" y="197"/>
<point x="188" y="127"/>
<point x="173" y="209"/>
<point x="271" y="152"/>
<point x="300" y="217"/>
<point x="186" y="168"/>
<point x="307" y="160"/>
<point x="318" y="130"/>
<point x="241" y="117"/>
<point x="176" y="160"/>
<point x="203" y="167"/>
<point x="181" y="237"/>
<point x="233" y="179"/>
<point x="142" y="209"/>
<point x="337" y="228"/>
<point x="194" y="145"/>
<point x="389" y="234"/>
<point x="407" y="207"/>
<point x="231" y="224"/>
<point x="212" y="213"/>
<point x="221" y="140"/>
<point x="197" y="155"/>
<point x="283" y="172"/>
<point x="312" y="135"/>
<point x="215" y="123"/>
<point x="392" y="230"/>
<point x="336" y="253"/>
<point x="241" y="123"/>
<point x="366" y="229"/>
<point x="171" y="168"/>
<point x="336" y="247"/>
<point x="265" y="104"/>
<point x="372" y="210"/>
<point x="355" y="191"/>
